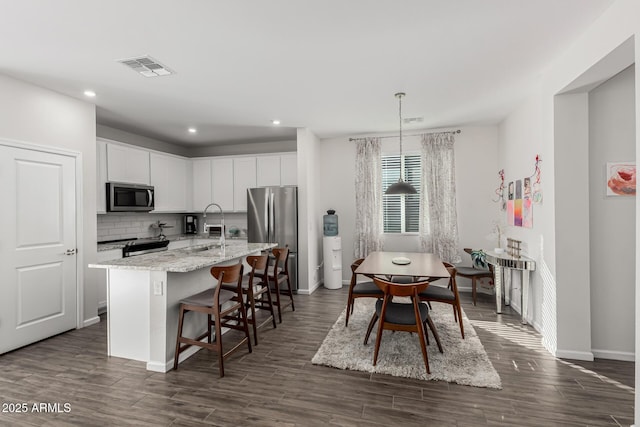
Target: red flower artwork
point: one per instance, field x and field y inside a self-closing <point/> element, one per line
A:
<point x="621" y="179"/>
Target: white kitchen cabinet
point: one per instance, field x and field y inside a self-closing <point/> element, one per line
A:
<point x="225" y="180"/>
<point x="101" y="276"/>
<point x="222" y="183"/>
<point x="170" y="176"/>
<point x="244" y="176"/>
<point x="289" y="169"/>
<point x="101" y="176"/>
<point x="127" y="164"/>
<point x="267" y="171"/>
<point x="201" y="186"/>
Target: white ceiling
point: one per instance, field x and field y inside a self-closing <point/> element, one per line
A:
<point x="330" y="65"/>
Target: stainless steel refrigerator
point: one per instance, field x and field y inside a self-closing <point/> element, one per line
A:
<point x="272" y="217"/>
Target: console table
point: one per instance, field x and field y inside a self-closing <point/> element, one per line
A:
<point x="504" y="261"/>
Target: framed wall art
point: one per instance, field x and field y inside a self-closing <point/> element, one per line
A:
<point x="621" y="178"/>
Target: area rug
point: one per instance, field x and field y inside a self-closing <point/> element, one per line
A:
<point x="464" y="361"/>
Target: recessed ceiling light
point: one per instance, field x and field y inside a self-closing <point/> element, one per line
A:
<point x="89" y="93"/>
<point x="193" y="130"/>
<point x="275" y="122"/>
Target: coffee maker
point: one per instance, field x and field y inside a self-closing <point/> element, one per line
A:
<point x="190" y="224"/>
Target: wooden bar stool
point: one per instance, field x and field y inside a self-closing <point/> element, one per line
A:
<point x="279" y="274"/>
<point x="223" y="306"/>
<point x="255" y="287"/>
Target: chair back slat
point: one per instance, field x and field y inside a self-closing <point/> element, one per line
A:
<point x="281" y="255"/>
<point x="400" y="289"/>
<point x="257" y="263"/>
<point x="355" y="264"/>
<point x="228" y="275"/>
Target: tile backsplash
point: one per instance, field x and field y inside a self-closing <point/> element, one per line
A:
<point x="126" y="225"/>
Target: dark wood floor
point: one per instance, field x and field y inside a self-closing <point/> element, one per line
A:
<point x="278" y="385"/>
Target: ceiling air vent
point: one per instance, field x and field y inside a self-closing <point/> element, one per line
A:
<point x="147" y="66"/>
<point x="411" y="120"/>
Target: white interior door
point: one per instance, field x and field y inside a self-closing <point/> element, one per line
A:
<point x="38" y="288"/>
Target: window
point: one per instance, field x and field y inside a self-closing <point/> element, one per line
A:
<point x="401" y="212"/>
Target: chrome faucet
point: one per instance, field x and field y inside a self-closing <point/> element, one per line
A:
<point x="208" y="226"/>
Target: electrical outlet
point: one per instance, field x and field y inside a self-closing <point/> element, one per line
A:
<point x="157" y="287"/>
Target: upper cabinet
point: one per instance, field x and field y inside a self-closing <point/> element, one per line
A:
<point x="268" y="171"/>
<point x="170" y="176"/>
<point x="289" y="169"/>
<point x="101" y="178"/>
<point x="127" y="164"/>
<point x="201" y="184"/>
<point x="244" y="177"/>
<point x="188" y="185"/>
<point x="222" y="182"/>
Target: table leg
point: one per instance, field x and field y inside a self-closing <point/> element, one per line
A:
<point x="497" y="281"/>
<point x="525" y="296"/>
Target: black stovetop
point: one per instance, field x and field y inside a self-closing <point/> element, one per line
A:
<point x="118" y="240"/>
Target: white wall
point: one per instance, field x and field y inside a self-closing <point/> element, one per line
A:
<point x="237" y="148"/>
<point x="309" y="218"/>
<point x="124" y="225"/>
<point x="572" y="225"/>
<point x="243" y="148"/>
<point x="611" y="219"/>
<point x="119" y="135"/>
<point x="476" y="181"/>
<point x="530" y="129"/>
<point x="39" y="116"/>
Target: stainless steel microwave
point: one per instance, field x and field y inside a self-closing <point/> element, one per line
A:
<point x="123" y="197"/>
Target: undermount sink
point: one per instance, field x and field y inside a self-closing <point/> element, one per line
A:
<point x="202" y="248"/>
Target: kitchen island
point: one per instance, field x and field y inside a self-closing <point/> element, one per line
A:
<point x="144" y="293"/>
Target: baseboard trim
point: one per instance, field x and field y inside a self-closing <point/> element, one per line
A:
<point x="311" y="290"/>
<point x="91" y="321"/>
<point x="624" y="356"/>
<point x="166" y="367"/>
<point x="576" y="355"/>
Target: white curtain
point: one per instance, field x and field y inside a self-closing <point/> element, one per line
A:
<point x="368" y="197"/>
<point x="439" y="218"/>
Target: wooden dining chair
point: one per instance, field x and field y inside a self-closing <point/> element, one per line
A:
<point x="256" y="292"/>
<point x="366" y="289"/>
<point x="397" y="316"/>
<point x="445" y="295"/>
<point x="474" y="274"/>
<point x="279" y="275"/>
<point x="223" y="306"/>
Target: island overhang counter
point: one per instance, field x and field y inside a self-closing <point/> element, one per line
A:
<point x="144" y="293"/>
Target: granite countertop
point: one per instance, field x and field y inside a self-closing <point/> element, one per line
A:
<point x="119" y="245"/>
<point x="186" y="259"/>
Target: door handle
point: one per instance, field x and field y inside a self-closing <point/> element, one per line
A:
<point x="70" y="252"/>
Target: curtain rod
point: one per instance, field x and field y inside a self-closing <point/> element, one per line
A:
<point x="414" y="134"/>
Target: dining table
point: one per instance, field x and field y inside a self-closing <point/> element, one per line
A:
<point x="415" y="264"/>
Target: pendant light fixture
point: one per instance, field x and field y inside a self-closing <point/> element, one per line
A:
<point x="400" y="187"/>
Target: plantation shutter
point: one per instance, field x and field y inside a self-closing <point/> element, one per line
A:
<point x="401" y="212"/>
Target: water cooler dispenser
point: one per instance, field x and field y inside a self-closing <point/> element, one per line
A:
<point x="332" y="251"/>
